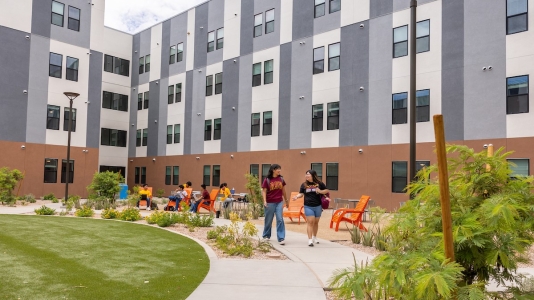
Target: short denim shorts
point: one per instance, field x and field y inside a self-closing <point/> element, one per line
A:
<point x="313" y="211"/>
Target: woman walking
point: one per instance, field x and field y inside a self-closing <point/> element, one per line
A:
<point x="312" y="190"/>
<point x="274" y="196"/>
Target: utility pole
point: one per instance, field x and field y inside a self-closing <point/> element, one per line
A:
<point x="413" y="140"/>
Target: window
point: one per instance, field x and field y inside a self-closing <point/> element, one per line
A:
<point x="56" y="61"/>
<point x="168" y="171"/>
<point x="145" y="137"/>
<point x="113" y="137"/>
<point x="172" y="55"/>
<point x="422" y="99"/>
<point x="211" y="41"/>
<point x="317" y="117"/>
<point x="400" y="176"/>
<point x="517" y="95"/>
<point x="218" y="83"/>
<point x="333" y="116"/>
<point x="258" y="22"/>
<point x="319" y="8"/>
<point x="170" y="96"/>
<point x="268" y="123"/>
<point x="400" y="111"/>
<point x="216" y="129"/>
<point x="332" y="175"/>
<point x="58" y="9"/>
<point x="255" y="124"/>
<point x="116" y="65"/>
<point x="140" y="101"/>
<point x="138" y="138"/>
<point x="64" y="171"/>
<point x="52" y="119"/>
<point x="180" y="54"/>
<point x="178" y="92"/>
<point x="516" y="16"/>
<point x="114" y="101"/>
<point x="137" y="173"/>
<point x="264" y="171"/>
<point x="268" y="72"/>
<point x="269" y="21"/>
<point x="206" y="177"/>
<point x="207" y="130"/>
<point x="74" y="18"/>
<point x="420" y="164"/>
<point x="114" y="169"/>
<point x="175" y="175"/>
<point x="220" y="38"/>
<point x="147" y="63"/>
<point x="141" y="65"/>
<point x="72" y="69"/>
<point x="400" y="41"/>
<point x="176" y="133"/>
<point x="216" y="179"/>
<point x="50" y="170"/>
<point x="143" y="175"/>
<point x="255" y="170"/>
<point x="145" y="102"/>
<point x="318" y="60"/>
<point x="66" y="115"/>
<point x="169" y="134"/>
<point x="209" y="85"/>
<point x="519" y="167"/>
<point x="318" y="168"/>
<point x="423" y="36"/>
<point x="256" y="74"/>
<point x="333" y="57"/>
<point x="335" y="5"/>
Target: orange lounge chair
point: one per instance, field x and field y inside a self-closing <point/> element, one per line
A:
<point x="296" y="208"/>
<point x="209" y="207"/>
<point x="354" y="214"/>
<point x="143" y="202"/>
<point x="187" y="199"/>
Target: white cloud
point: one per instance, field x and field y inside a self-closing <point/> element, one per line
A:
<point x="135" y="15"/>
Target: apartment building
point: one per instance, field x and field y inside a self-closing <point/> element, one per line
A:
<point x="232" y="86"/>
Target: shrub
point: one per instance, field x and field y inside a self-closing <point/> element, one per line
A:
<point x="160" y="193"/>
<point x="8" y="181"/>
<point x="110" y="213"/>
<point x="105" y="186"/>
<point x="130" y="214"/>
<point x="49" y="196"/>
<point x="43" y="210"/>
<point x="200" y="221"/>
<point x="30" y="198"/>
<point x="255" y="197"/>
<point x="55" y="200"/>
<point x="73" y="201"/>
<point x="84" y="212"/>
<point x="154" y="217"/>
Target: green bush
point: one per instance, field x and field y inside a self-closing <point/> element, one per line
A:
<point x="55" y="200"/>
<point x="30" y="198"/>
<point x="84" y="212"/>
<point x="154" y="217"/>
<point x="200" y="221"/>
<point x="160" y="193"/>
<point x="8" y="181"/>
<point x="73" y="201"/>
<point x="110" y="213"/>
<point x="105" y="186"/>
<point x="49" y="196"/>
<point x="45" y="211"/>
<point x="130" y="214"/>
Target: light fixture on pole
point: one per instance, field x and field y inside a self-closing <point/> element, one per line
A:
<point x="71" y="97"/>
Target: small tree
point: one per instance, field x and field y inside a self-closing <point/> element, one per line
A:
<point x="8" y="181"/>
<point x="105" y="186"/>
<point x="255" y="197"/>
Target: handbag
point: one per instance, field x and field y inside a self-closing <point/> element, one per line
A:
<point x="325" y="201"/>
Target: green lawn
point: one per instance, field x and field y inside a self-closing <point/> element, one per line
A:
<point x="76" y="258"/>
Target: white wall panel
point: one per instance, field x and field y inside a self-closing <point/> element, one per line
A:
<point x="286" y="21"/>
<point x="232" y="29"/>
<point x="17" y="14"/>
<point x="190" y="56"/>
<point x="353" y="11"/>
<point x="155" y="52"/>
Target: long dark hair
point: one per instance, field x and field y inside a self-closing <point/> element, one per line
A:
<point x="314" y="176"/>
<point x="271" y="170"/>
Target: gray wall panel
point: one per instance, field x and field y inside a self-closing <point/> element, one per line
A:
<point x="38" y="89"/>
<point x="162" y="116"/>
<point x="452" y="65"/>
<point x="144" y="50"/>
<point x="265" y="41"/>
<point x="201" y="35"/>
<point x="380" y="7"/>
<point x="179" y="35"/>
<point x="230" y="98"/>
<point x="41" y="17"/>
<point x="154" y="134"/>
<point x="15" y="76"/>
<point x="284" y="97"/>
<point x="302" y="19"/>
<point x="66" y="35"/>
<point x="165" y="48"/>
<point x="247" y="27"/>
<point x="94" y="106"/>
<point x="485" y="45"/>
<point x="354" y="105"/>
<point x="380" y="107"/>
<point x="301" y="79"/>
<point x="132" y="134"/>
<point x="136" y="44"/>
<point x="188" y="112"/>
<point x="245" y="103"/>
<point x="329" y="21"/>
<point x="198" y="107"/>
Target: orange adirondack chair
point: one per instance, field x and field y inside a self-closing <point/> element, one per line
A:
<point x="296" y="208"/>
<point x="144" y="202"/>
<point x="186" y="199"/>
<point x="355" y="217"/>
<point x="209" y="207"/>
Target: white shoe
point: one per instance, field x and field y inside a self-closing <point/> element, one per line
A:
<point x="282" y="242"/>
<point x="265" y="239"/>
<point x="315" y="241"/>
<point x="148" y="208"/>
<point x="310" y="244"/>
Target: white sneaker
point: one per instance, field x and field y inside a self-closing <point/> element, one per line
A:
<point x="265" y="239"/>
<point x="148" y="208"/>
<point x="310" y="244"/>
<point x="282" y="242"/>
<point x="315" y="241"/>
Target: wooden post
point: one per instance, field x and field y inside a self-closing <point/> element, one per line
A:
<point x="490" y="154"/>
<point x="439" y="133"/>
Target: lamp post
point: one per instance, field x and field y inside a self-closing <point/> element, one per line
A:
<point x="71" y="97"/>
<point x="413" y="8"/>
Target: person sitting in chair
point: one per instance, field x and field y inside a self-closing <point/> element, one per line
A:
<point x="145" y="195"/>
<point x="205" y="197"/>
<point x="227" y="199"/>
<point x="178" y="195"/>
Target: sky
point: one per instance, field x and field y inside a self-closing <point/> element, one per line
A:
<point x="135" y="15"/>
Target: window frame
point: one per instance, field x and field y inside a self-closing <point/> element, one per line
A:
<point x="216" y="175"/>
<point x="137" y="175"/>
<point x="264" y="172"/>
<point x="218" y="85"/>
<point x="107" y="134"/>
<point x="219" y="42"/>
<point x="206" y="177"/>
<point x="172" y="56"/>
<point x="54" y="13"/>
<point x="329" y="177"/>
<point x="170" y="94"/>
<point x="112" y="103"/>
<point x="315" y="16"/>
<point x="209" y="85"/>
<point x="256" y="78"/>
<point x="512" y="175"/>
<point x="138" y="138"/>
<point x="399" y="42"/>
<point x="73" y="71"/>
<point x="168" y="175"/>
<point x="267" y="124"/>
<point x="334" y="57"/>
<point x="266" y="73"/>
<point x="144" y="138"/>
<point x="179" y="52"/>
<point x="141" y="65"/>
<point x="178" y="97"/>
<point x="74" y="19"/>
<point x="418" y="38"/>
<point x="317" y="121"/>
<point x="257" y="26"/>
<point x="49" y="124"/>
<point x="402" y="109"/>
<point x="257" y="173"/>
<point x="207" y="130"/>
<point x="143" y="175"/>
<point x="169" y="134"/>
<point x="269" y="22"/>
<point x="51" y="170"/>
<point x="140" y="101"/>
<point x="147" y="63"/>
<point x="255" y="127"/>
<point x="513" y="16"/>
<point x="115" y="169"/>
<point x="177" y="133"/>
<point x="217" y="129"/>
<point x="64" y="171"/>
<point x="50" y="66"/>
<point x="146" y="99"/>
<point x="111" y="61"/>
<point x="66" y="112"/>
<point x="330" y="6"/>
<point x="175" y="175"/>
<point x="313" y="166"/>
<point x="419" y="108"/>
<point x="212" y="42"/>
<point x="330" y="116"/>
<point x="318" y="60"/>
<point x="393" y="177"/>
<point x="508" y="96"/>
